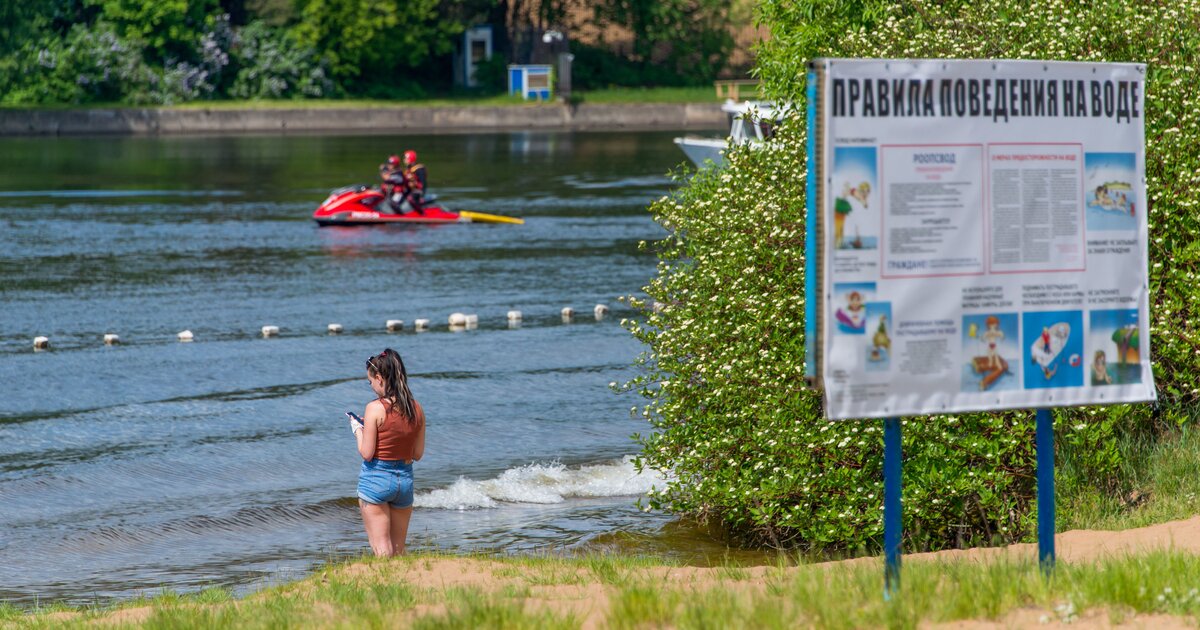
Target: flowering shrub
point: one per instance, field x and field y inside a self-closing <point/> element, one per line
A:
<point x="271" y="66"/>
<point x="182" y="80"/>
<point x="166" y="28"/>
<point x="89" y="64"/>
<point x="722" y="377"/>
<point x="96" y="64"/>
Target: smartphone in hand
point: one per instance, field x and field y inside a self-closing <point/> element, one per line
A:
<point x="356" y="423"/>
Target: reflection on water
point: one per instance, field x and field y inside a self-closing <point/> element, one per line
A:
<point x="227" y="460"/>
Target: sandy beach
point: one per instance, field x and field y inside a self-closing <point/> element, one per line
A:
<point x="594" y="593"/>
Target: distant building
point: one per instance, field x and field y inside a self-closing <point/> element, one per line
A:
<point x="474" y="47"/>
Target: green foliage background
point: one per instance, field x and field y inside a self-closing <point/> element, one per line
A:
<point x="170" y="51"/>
<point x="722" y="379"/>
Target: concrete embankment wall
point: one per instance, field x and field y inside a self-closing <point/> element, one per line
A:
<point x="150" y="121"/>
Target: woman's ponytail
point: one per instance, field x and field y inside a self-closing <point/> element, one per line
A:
<point x="390" y="367"/>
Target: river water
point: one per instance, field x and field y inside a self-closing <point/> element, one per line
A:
<point x="227" y="461"/>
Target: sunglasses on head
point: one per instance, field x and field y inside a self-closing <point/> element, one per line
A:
<point x="371" y="361"/>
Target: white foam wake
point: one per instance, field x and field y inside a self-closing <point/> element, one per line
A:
<point x="543" y="483"/>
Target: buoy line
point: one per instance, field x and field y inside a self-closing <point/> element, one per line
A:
<point x="456" y="322"/>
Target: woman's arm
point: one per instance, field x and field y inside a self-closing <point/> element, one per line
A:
<point x="368" y="438"/>
<point x="419" y="445"/>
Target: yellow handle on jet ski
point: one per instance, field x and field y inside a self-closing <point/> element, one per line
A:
<point x="479" y="217"/>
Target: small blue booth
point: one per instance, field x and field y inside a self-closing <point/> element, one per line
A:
<point x="530" y="81"/>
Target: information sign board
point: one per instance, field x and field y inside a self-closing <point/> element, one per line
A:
<point x="981" y="233"/>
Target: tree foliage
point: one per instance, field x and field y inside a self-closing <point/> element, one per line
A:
<point x="365" y="39"/>
<point x="168" y="51"/>
<point x="272" y="65"/>
<point x="688" y="33"/>
<point x="805" y="29"/>
<point x="733" y="423"/>
<point x="169" y="29"/>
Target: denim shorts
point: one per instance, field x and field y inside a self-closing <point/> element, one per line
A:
<point x="386" y="481"/>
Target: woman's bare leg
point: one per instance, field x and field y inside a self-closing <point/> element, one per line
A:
<point x="376" y="520"/>
<point x="399" y="528"/>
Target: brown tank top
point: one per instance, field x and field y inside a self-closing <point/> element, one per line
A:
<point x="397" y="435"/>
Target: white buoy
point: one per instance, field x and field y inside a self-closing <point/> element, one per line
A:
<point x="335" y="329"/>
<point x="514" y="316"/>
<point x="421" y="324"/>
<point x="601" y="310"/>
<point x="185" y="335"/>
<point x="111" y="339"/>
<point x="457" y="319"/>
<point x="568" y="313"/>
<point x="472" y="321"/>
<point x="41" y="343"/>
<point x="270" y="331"/>
<point x="395" y="324"/>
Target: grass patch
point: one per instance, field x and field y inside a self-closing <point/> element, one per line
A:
<point x="473" y="609"/>
<point x="213" y="595"/>
<point x="616" y="570"/>
<point x="542" y="571"/>
<point x="368" y="603"/>
<point x="605" y="569"/>
<point x="932" y="592"/>
<point x="390" y="594"/>
<point x="605" y="96"/>
<point x="639" y="606"/>
<point x="650" y="95"/>
<point x="1158" y="484"/>
<point x="458" y="101"/>
<point x="720" y="608"/>
<point x="733" y="573"/>
<point x="8" y="611"/>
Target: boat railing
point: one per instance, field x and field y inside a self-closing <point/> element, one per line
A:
<point x="732" y="88"/>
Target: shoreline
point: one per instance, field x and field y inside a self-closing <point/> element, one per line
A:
<point x="595" y="591"/>
<point x="413" y="119"/>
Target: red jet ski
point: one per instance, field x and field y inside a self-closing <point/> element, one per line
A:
<point x="366" y="205"/>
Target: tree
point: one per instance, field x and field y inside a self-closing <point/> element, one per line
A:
<point x="18" y="23"/>
<point x="802" y="30"/>
<point x="369" y="40"/>
<point x="691" y="35"/>
<point x="271" y="12"/>
<point x="171" y="29"/>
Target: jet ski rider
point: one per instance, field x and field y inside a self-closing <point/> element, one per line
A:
<point x="394" y="183"/>
<point x="414" y="177"/>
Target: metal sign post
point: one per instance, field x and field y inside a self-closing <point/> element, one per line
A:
<point x="1045" y="489"/>
<point x="892" y="525"/>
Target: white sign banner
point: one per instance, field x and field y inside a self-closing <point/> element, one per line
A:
<point x="984" y="231"/>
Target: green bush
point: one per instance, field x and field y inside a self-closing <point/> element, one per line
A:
<point x="96" y="64"/>
<point x="367" y="42"/>
<point x="169" y="29"/>
<point x="744" y="439"/>
<point x="492" y="75"/>
<point x="688" y="38"/>
<point x="270" y="65"/>
<point x="596" y="68"/>
<point x="89" y="64"/>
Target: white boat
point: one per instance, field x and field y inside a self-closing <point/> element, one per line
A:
<point x="743" y="128"/>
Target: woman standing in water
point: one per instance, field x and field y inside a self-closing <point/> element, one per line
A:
<point x="390" y="439"/>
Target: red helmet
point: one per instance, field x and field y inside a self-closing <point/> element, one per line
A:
<point x="410" y="156"/>
<point x="393" y="160"/>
